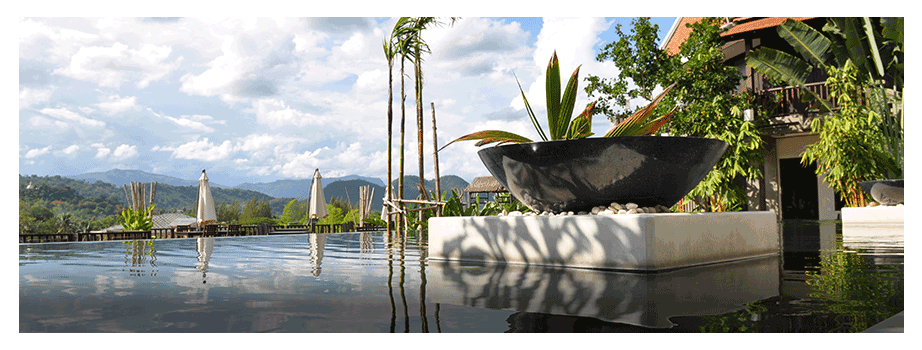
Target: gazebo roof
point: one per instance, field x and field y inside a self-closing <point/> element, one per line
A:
<point x="485" y="184"/>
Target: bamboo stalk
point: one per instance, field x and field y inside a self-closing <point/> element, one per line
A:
<point x="435" y="158"/>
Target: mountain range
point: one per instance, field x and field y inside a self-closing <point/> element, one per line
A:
<point x="176" y="192"/>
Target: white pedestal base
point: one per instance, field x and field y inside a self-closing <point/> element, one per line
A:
<point x="890" y="215"/>
<point x="634" y="242"/>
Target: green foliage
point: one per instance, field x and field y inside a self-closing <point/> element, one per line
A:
<point x="228" y="213"/>
<point x="643" y="68"/>
<point x="138" y="220"/>
<point x="559" y="114"/>
<point x="708" y="106"/>
<point x="256" y="208"/>
<point x="334" y="216"/>
<point x="869" y="294"/>
<point x="703" y="101"/>
<point x="871" y="50"/>
<point x="294" y="212"/>
<point x="851" y="148"/>
<point x="258" y="220"/>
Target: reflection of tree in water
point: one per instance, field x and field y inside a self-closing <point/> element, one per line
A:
<point x="863" y="293"/>
<point x="850" y="294"/>
<point x="396" y="245"/>
<point x="138" y="254"/>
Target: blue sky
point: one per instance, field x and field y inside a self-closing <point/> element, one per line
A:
<point x="262" y="99"/>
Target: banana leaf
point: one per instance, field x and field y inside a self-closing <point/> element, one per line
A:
<point x="808" y="42"/>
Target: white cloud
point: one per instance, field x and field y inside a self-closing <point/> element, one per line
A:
<point x="32" y="153"/>
<point x="275" y="114"/>
<point x="30" y="97"/>
<point x="116" y="104"/>
<point x="201" y="150"/>
<point x="111" y="66"/>
<point x="71" y="149"/>
<point x="65" y="114"/>
<point x="102" y="152"/>
<point x="123" y="152"/>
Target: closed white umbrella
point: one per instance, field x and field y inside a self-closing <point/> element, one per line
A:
<point x="206" y="213"/>
<point x="317" y="206"/>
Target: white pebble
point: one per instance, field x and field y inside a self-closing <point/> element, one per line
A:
<point x="569" y="213"/>
<point x="632" y="211"/>
<point x="596" y="210"/>
<point x="622" y="211"/>
<point x="515" y="213"/>
<point x="606" y="212"/>
<point x="616" y="206"/>
<point x="639" y="210"/>
<point x="582" y="213"/>
<point x="630" y="206"/>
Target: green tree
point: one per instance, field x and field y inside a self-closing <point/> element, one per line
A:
<point x="334" y="216"/>
<point x="643" y="66"/>
<point x="704" y="98"/>
<point x="293" y="212"/>
<point x="256" y="208"/>
<point x="709" y="106"/>
<point x="229" y="213"/>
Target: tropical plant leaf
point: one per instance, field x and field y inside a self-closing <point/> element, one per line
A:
<point x="872" y="44"/>
<point x="567" y="104"/>
<point x="855" y="44"/>
<point x="490" y="136"/>
<point x="808" y="42"/>
<point x="634" y="124"/>
<point x="552" y="95"/>
<point x="581" y="126"/>
<point x="779" y="66"/>
<point x="531" y="114"/>
<point x="657" y="123"/>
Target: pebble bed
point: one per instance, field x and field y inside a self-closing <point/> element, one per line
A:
<point x="612" y="209"/>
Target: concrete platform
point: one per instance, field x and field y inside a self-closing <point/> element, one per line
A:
<point x="631" y="242"/>
<point x="894" y="324"/>
<point x="873" y="215"/>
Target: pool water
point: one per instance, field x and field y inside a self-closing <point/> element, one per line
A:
<point x="371" y="282"/>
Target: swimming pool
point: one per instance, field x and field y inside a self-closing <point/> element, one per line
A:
<point x="369" y="282"/>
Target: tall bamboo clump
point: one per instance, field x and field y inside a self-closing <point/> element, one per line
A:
<point x="135" y="194"/>
<point x="366" y="193"/>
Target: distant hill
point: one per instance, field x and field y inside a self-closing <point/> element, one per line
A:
<point x="411" y="191"/>
<point x="339" y="189"/>
<point x="119" y="177"/>
<point x="169" y="198"/>
<point x="301" y="188"/>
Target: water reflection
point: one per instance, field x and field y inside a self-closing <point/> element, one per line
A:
<point x="638" y="299"/>
<point x="317" y="242"/>
<point x="865" y="293"/>
<point x="138" y="255"/>
<point x="204" y="247"/>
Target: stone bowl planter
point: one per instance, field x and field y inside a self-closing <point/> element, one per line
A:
<point x="576" y="175"/>
<point x="885" y="192"/>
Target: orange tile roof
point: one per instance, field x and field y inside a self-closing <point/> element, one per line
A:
<point x="743" y="24"/>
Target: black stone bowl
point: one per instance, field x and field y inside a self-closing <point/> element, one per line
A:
<point x="886" y="192"/>
<point x="576" y="175"/>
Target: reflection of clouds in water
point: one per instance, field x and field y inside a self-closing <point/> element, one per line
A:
<point x="103" y="283"/>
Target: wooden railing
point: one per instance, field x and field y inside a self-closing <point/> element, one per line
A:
<point x="787" y="100"/>
<point x="189" y="232"/>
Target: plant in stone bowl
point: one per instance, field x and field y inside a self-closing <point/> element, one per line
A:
<point x="560" y="110"/>
<point x="568" y="171"/>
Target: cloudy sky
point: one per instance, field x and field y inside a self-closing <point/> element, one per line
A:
<point x="262" y="99"/>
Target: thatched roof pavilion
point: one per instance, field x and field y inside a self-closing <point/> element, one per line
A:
<point x="483" y="184"/>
